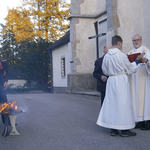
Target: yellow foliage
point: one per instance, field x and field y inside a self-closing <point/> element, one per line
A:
<point x="47" y="19"/>
<point x="18" y="22"/>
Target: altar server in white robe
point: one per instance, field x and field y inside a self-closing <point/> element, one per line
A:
<point x="140" y="84"/>
<point x="117" y="110"/>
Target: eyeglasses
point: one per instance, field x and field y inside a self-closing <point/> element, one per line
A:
<point x="136" y="40"/>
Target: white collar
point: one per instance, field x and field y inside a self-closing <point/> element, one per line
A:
<point x="113" y="51"/>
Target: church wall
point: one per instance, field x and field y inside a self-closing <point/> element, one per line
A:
<point x="129" y="18"/>
<point x="75" y="6"/>
<point x="146" y="37"/>
<point x="81" y="29"/>
<point x="93" y="7"/>
<point x="125" y="18"/>
<point x="130" y="15"/>
<point x="83" y="14"/>
<point x="85" y="48"/>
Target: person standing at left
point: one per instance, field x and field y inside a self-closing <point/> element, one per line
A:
<point x="3" y="94"/>
<point x="99" y="75"/>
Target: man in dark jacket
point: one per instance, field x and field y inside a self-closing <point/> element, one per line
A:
<point x="99" y="75"/>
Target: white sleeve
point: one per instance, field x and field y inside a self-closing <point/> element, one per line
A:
<point x="129" y="67"/>
<point x="104" y="66"/>
<point x="148" y="67"/>
<point x="147" y="55"/>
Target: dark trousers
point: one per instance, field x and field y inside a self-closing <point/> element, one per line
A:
<point x="102" y="97"/>
<point x="144" y="125"/>
<point x="5" y="119"/>
<point x="3" y="99"/>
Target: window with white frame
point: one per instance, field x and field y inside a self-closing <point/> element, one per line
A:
<point x="63" y="68"/>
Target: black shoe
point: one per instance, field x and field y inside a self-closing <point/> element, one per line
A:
<point x="146" y="125"/>
<point x="140" y="125"/>
<point x="114" y="132"/>
<point x="145" y="128"/>
<point x="127" y="133"/>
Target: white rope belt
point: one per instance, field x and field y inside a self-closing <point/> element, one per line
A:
<point x="117" y="74"/>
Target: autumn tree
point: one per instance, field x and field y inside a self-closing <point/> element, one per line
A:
<point x="50" y="17"/>
<point x="9" y="46"/>
<point x="27" y="33"/>
<point x="34" y="60"/>
<point x="19" y="23"/>
<point x="27" y="60"/>
<point x="39" y="19"/>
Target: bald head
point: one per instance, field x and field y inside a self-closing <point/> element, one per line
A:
<point x="106" y="48"/>
<point x="137" y="40"/>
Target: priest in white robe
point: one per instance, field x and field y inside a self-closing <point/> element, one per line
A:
<point x="117" y="110"/>
<point x="140" y="84"/>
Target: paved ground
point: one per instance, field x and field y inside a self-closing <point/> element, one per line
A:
<point x="65" y="122"/>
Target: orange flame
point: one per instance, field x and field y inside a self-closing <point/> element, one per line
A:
<point x="7" y="106"/>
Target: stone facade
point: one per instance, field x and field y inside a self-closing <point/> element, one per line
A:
<point x="83" y="16"/>
<point x="132" y="17"/>
<point x="124" y="18"/>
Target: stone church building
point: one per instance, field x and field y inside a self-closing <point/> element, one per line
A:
<point x="93" y="23"/>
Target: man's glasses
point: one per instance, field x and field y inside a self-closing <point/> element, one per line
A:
<point x="136" y="40"/>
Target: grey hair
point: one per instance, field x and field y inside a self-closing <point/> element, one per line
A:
<point x="138" y="36"/>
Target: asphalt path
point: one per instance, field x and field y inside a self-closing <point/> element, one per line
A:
<point x="65" y="122"/>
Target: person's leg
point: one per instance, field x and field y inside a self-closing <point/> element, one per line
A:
<point x="4" y="116"/>
<point x="13" y="125"/>
<point x="140" y="124"/>
<point x="3" y="119"/>
<point x="146" y="125"/>
<point x="1" y="102"/>
<point x="102" y="97"/>
<point x="6" y="128"/>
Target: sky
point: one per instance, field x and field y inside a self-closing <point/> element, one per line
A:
<point x="5" y="5"/>
<point x="8" y="4"/>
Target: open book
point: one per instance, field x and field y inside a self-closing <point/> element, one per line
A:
<point x="132" y="57"/>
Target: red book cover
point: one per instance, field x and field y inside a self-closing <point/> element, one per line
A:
<point x="132" y="57"/>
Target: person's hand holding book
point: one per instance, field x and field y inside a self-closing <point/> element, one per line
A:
<point x="139" y="57"/>
<point x="144" y="60"/>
